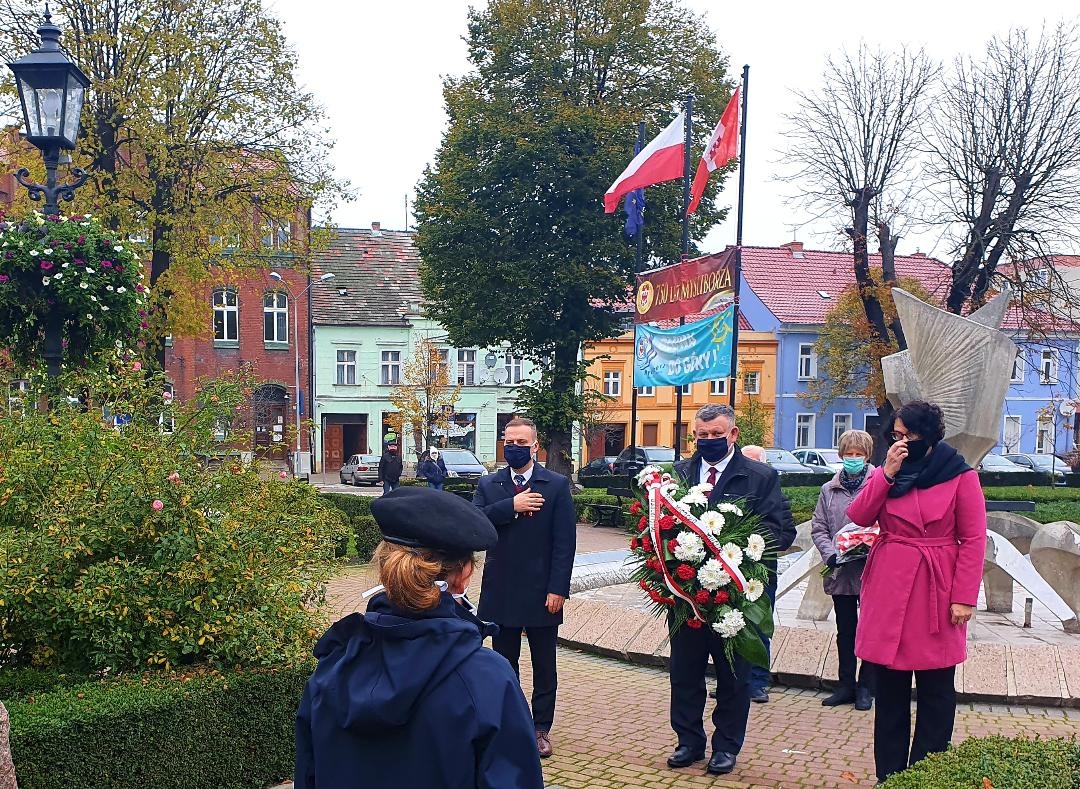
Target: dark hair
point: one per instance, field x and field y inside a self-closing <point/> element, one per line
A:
<point x="920" y="417"/>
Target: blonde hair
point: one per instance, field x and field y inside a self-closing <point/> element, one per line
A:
<point x="855" y="441"/>
<point x="409" y="574"/>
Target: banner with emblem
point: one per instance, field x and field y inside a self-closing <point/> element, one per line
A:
<point x="687" y="288"/>
<point x="698" y="351"/>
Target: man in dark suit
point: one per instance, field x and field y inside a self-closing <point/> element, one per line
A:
<point x="719" y="462"/>
<point x="527" y="574"/>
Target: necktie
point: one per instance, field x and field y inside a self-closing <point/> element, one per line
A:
<point x="712" y="476"/>
<point x="519" y="481"/>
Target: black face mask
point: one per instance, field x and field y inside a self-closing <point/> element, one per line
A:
<point x="517" y="457"/>
<point x="916" y="450"/>
<point x="713" y="450"/>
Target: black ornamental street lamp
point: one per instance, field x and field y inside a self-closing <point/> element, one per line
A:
<point x="52" y="89"/>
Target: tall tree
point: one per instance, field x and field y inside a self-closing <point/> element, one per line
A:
<point x="196" y="134"/>
<point x="1006" y="145"/>
<point x="510" y="225"/>
<point x="425" y="396"/>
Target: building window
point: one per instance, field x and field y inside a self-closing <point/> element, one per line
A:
<point x="718" y="386"/>
<point x="804" y="431"/>
<point x="685" y="389"/>
<point x="276" y="235"/>
<point x="1044" y="435"/>
<point x="346" y="368"/>
<point x="1048" y="367"/>
<point x="513" y="366"/>
<point x="442" y="364"/>
<point x="390" y="368"/>
<point x="1010" y="440"/>
<point x="1017" y="376"/>
<point x="466" y="367"/>
<point x="807" y="362"/>
<point x="226" y="315"/>
<point x="752" y="383"/>
<point x="646" y="391"/>
<point x="841" y="423"/>
<point x="612" y="383"/>
<point x="17" y="394"/>
<point x="650" y="434"/>
<point x="276" y="317"/>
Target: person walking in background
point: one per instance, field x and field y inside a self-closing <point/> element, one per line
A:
<point x="920" y="584"/>
<point x="390" y="468"/>
<point x="527" y="575"/>
<point x="433" y="469"/>
<point x="845" y="581"/>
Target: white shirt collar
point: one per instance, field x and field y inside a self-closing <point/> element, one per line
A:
<point x="527" y="473"/>
<point x="723" y="464"/>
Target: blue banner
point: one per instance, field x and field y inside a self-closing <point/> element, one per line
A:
<point x="698" y="351"/>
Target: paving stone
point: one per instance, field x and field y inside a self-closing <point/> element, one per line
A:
<point x="624" y="626"/>
<point x="802" y="656"/>
<point x="986" y="671"/>
<point x="1069" y="656"/>
<point x="1036" y="674"/>
<point x="646" y="645"/>
<point x="597" y="621"/>
<point x="579" y="618"/>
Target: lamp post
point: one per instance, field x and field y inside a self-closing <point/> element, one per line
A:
<point x="296" y="347"/>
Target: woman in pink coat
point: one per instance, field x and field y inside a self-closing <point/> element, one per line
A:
<point x="921" y="583"/>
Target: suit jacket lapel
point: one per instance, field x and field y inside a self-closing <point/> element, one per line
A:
<point x="507" y="481"/>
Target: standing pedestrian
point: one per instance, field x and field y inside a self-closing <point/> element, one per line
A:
<point x="527" y="575"/>
<point x="390" y="468"/>
<point x="433" y="469"/>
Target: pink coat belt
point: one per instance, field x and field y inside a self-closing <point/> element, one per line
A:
<point x="923" y="546"/>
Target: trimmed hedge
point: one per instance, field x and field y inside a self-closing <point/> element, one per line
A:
<point x="229" y="731"/>
<point x="364" y="530"/>
<point x="1004" y="763"/>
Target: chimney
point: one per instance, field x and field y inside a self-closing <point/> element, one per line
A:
<point x="794" y="246"/>
<point x="376" y="228"/>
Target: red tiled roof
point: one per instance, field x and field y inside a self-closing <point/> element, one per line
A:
<point x="788" y="279"/>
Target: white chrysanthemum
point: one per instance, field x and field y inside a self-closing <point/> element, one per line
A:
<point x="711" y="576"/>
<point x="690" y="548"/>
<point x="704" y="488"/>
<point x="694" y="498"/>
<point x="732" y="554"/>
<point x="713" y="522"/>
<point x="667" y="488"/>
<point x="754" y="589"/>
<point x="645" y="473"/>
<point x="730" y="624"/>
<point x="729" y="507"/>
<point x="755" y="546"/>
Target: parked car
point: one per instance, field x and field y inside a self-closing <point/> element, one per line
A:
<point x="598" y="467"/>
<point x="360" y="470"/>
<point x="786" y="463"/>
<point x="628" y="463"/>
<point x="820" y="457"/>
<point x="1044" y="463"/>
<point x="997" y="463"/>
<point x="462" y="465"/>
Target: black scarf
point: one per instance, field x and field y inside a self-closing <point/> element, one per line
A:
<point x="935" y="467"/>
<point x="852" y="483"/>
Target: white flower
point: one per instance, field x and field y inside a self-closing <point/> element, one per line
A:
<point x="44" y="280"/>
<point x="711" y="576"/>
<point x="730" y="624"/>
<point x="48" y="251"/>
<point x="104" y="308"/>
<point x="66" y="265"/>
<point x="33" y="252"/>
<point x="732" y="554"/>
<point x="713" y="522"/>
<point x="643" y="475"/>
<point x="109" y="288"/>
<point x="121" y="289"/>
<point x="83" y="285"/>
<point x="690" y="548"/>
<point x="89" y="316"/>
<point x="755" y="546"/>
<point x="754" y="589"/>
<point x="725" y="506"/>
<point x="90" y="270"/>
<point x="694" y="497"/>
<point x="119" y="248"/>
<point x="58" y="276"/>
<point x="667" y="488"/>
<point x="93" y="298"/>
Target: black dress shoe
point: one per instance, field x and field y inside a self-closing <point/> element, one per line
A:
<point x="684" y="757"/>
<point x="721" y="763"/>
<point x="760" y="697"/>
<point x="839" y="696"/>
<point x="864" y="700"/>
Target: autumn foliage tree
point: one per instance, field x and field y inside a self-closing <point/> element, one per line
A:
<point x="426" y="397"/>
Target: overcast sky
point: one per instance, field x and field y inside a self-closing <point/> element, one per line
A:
<point x="377" y="67"/>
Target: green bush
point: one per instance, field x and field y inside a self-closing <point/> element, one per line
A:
<point x="584" y="498"/>
<point x="123" y="550"/>
<point x="367" y="537"/>
<point x="1017" y="763"/>
<point x="229" y="731"/>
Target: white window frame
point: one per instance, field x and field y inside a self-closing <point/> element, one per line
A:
<point x="466" y="366"/>
<point x="226" y="302"/>
<point x="686" y="389"/>
<point x="1019" y="363"/>
<point x="613" y="383"/>
<point x="277" y="235"/>
<point x="278" y="310"/>
<point x="514" y="368"/>
<point x="390" y="368"/>
<point x="755" y="377"/>
<point x="17" y="393"/>
<point x="718" y="387"/>
<point x="807" y="362"/>
<point x="837" y="421"/>
<point x="646" y="391"/>
<point x="1006" y="421"/>
<point x="1048" y="367"/>
<point x="1044" y="434"/>
<point x="442" y="364"/>
<point x="346" y="368"/>
<point x="807" y="422"/>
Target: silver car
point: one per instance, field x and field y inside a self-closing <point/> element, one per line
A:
<point x="360" y="470"/>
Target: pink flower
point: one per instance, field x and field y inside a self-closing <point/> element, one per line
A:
<point x="106" y="264"/>
<point x="283" y="475"/>
<point x="158" y="505"/>
<point x="46" y="265"/>
<point x="174" y="478"/>
<point x="136" y="366"/>
<point x="167" y="396"/>
<point x="3" y="278"/>
<point x="139" y="289"/>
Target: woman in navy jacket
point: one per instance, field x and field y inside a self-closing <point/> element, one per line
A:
<point x="405" y="695"/>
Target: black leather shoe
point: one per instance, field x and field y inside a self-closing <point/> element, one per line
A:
<point x="863" y="699"/>
<point x="684" y="757"/>
<point x="760" y="697"/>
<point x="839" y="696"/>
<point x="721" y="763"/>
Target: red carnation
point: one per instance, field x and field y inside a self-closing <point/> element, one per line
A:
<point x="693" y="624"/>
<point x="685" y="572"/>
<point x="644" y="584"/>
<point x="646" y="544"/>
<point x="641" y="524"/>
<point x="702" y="597"/>
<point x="721" y="597"/>
<point x="635" y="508"/>
<point x="672" y="544"/>
<point x="634" y="543"/>
<point x="667" y="522"/>
<point x="655" y="595"/>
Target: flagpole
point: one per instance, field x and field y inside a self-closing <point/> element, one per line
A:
<point x="737" y="276"/>
<point x="639" y="256"/>
<point x="688" y="127"/>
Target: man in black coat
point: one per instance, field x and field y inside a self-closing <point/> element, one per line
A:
<point x="390" y="468"/>
<point x="719" y="462"/>
<point x="527" y="574"/>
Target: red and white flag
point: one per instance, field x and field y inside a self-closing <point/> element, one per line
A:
<point x="720" y="150"/>
<point x="661" y="160"/>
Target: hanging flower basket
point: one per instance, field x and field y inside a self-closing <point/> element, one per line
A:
<point x="70" y="274"/>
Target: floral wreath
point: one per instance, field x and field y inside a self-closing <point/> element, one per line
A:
<point x="702" y="564"/>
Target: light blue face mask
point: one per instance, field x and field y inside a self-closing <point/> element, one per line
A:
<point x="854" y="466"/>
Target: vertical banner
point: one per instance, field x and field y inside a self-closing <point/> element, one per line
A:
<point x="698" y="351"/>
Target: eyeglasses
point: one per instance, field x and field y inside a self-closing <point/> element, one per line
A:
<point x="895" y="436"/>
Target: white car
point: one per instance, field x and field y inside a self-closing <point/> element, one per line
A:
<point x="820" y="457"/>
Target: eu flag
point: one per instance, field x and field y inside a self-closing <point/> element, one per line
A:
<point x="634" y="205"/>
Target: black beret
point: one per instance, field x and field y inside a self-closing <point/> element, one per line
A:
<point x="428" y="518"/>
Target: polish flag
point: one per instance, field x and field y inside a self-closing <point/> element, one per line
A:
<point x="661" y="160"/>
<point x="721" y="149"/>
